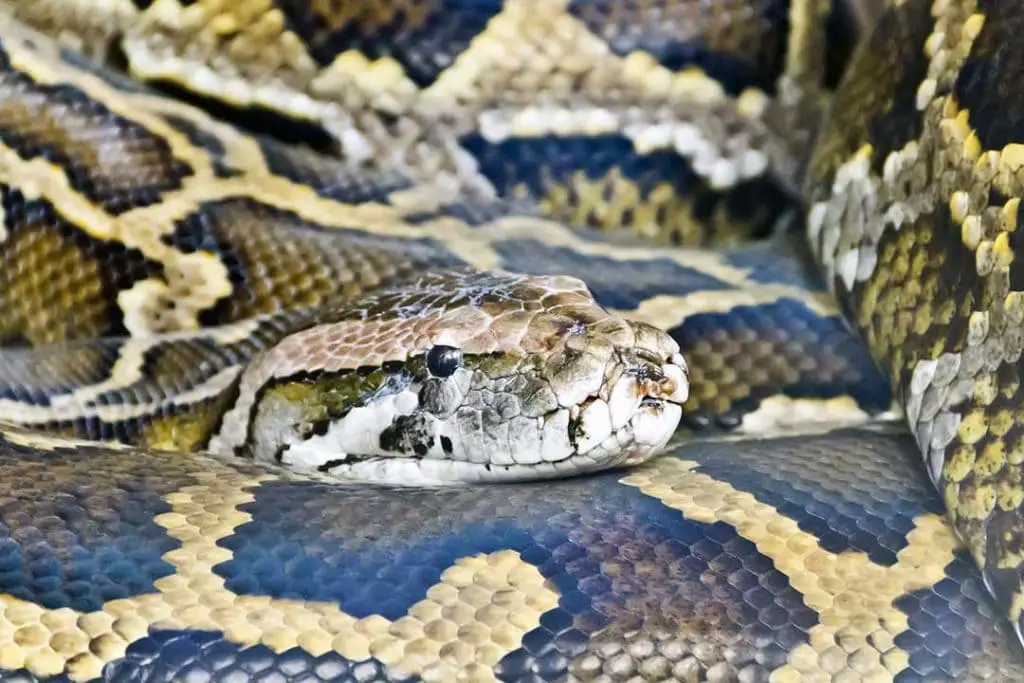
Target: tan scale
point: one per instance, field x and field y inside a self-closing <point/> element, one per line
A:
<point x="348" y="96"/>
<point x="946" y="339"/>
<point x="244" y="53"/>
<point x="847" y="589"/>
<point x="429" y="641"/>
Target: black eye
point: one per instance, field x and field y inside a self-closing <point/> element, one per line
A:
<point x="443" y="361"/>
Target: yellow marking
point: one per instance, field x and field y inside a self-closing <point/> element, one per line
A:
<point x="477" y="614"/>
<point x="959" y="463"/>
<point x="935" y="41"/>
<point x="1002" y="250"/>
<point x="991" y="460"/>
<point x="925" y="93"/>
<point x="752" y="103"/>
<point x="84" y="25"/>
<point x="1002" y="421"/>
<point x="957" y="128"/>
<point x="852" y="595"/>
<point x="1009" y="497"/>
<point x="266" y="60"/>
<point x="949" y="108"/>
<point x="20" y="436"/>
<point x="67" y="408"/>
<point x="959" y="206"/>
<point x="971" y="232"/>
<point x="383" y="80"/>
<point x="195" y="282"/>
<point x="972" y="502"/>
<point x="54" y="72"/>
<point x="1009" y="167"/>
<point x="986" y="388"/>
<point x="1016" y="606"/>
<point x="667" y="310"/>
<point x="567" y="50"/>
<point x="807" y="21"/>
<point x="973" y="427"/>
<point x="782" y="415"/>
<point x="863" y="155"/>
<point x="1008" y="214"/>
<point x="1013" y="305"/>
<point x="971" y="148"/>
<point x="37" y="178"/>
<point x="241" y="151"/>
<point x="972" y="27"/>
<point x="1012" y="157"/>
<point x="1003" y="168"/>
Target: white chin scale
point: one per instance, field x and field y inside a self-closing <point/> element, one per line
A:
<point x="645" y="434"/>
<point x="411" y="472"/>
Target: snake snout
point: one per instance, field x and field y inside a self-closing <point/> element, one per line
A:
<point x="638" y="407"/>
<point x="664" y="377"/>
<point x="668" y="381"/>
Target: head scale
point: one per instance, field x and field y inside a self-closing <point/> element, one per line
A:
<point x="463" y="377"/>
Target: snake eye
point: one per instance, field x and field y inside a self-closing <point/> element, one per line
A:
<point x="443" y="361"/>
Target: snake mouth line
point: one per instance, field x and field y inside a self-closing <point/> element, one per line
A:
<point x="604" y="433"/>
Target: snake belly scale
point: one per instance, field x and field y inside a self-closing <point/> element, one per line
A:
<point x="445" y="340"/>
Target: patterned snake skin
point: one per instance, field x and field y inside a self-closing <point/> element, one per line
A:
<point x="230" y="234"/>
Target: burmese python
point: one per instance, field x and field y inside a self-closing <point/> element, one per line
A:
<point x="401" y="160"/>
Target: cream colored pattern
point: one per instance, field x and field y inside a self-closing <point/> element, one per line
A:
<point x="478" y="612"/>
<point x="858" y="622"/>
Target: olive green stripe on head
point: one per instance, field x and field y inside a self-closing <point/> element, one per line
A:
<point x="317" y="399"/>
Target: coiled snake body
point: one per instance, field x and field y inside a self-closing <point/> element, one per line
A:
<point x="338" y="341"/>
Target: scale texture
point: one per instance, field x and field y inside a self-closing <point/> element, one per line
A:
<point x="218" y="217"/>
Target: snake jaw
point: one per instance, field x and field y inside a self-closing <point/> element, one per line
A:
<point x="637" y="409"/>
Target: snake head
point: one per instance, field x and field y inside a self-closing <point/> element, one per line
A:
<point x="462" y="376"/>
